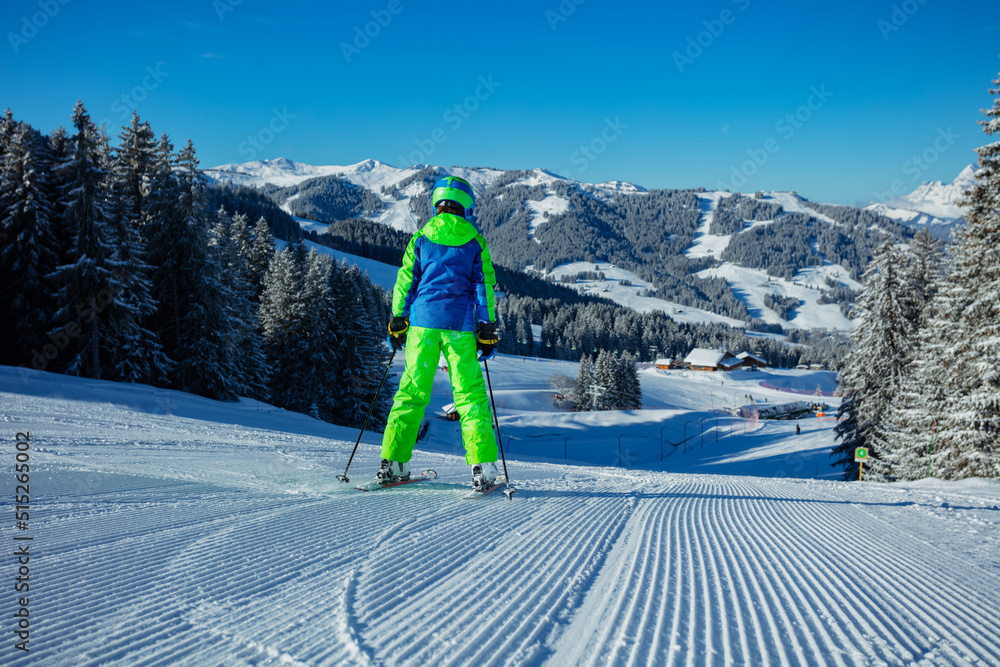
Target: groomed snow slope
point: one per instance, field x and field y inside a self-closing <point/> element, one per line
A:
<point x="631" y="295"/>
<point x="170" y="529"/>
<point x="751" y="285"/>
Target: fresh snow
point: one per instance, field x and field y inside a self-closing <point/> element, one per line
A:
<point x="171" y="529"/>
<point x="612" y="288"/>
<point x="370" y="174"/>
<point x="283" y="172"/>
<point x="793" y="203"/>
<point x="933" y="204"/>
<point x="938" y="199"/>
<point x="539" y="177"/>
<point x="621" y="186"/>
<point x="750" y="286"/>
<point x="552" y="204"/>
<point x="910" y="217"/>
<point x="712" y="245"/>
<point x="306" y="224"/>
<point x="383" y="275"/>
<point x="706" y="244"/>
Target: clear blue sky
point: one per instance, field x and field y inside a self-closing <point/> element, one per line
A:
<point x="663" y="94"/>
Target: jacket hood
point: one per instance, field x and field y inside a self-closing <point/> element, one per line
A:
<point x="449" y="229"/>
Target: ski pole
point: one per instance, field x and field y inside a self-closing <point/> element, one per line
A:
<point x="509" y="491"/>
<point x="344" y="478"/>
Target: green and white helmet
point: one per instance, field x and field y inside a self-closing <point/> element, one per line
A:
<point x="454" y="191"/>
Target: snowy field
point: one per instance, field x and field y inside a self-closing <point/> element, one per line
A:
<point x="173" y="530"/>
<point x="613" y="287"/>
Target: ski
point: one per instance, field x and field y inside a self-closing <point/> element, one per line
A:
<point x="500" y="481"/>
<point x="375" y="486"/>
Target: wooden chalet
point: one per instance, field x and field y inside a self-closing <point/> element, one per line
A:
<point x="751" y="360"/>
<point x="701" y="359"/>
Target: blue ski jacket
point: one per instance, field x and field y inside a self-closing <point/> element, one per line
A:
<point x="447" y="277"/>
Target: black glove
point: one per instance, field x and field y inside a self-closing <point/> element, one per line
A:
<point x="397" y="332"/>
<point x="486" y="340"/>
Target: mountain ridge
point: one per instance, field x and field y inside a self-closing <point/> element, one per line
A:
<point x="932" y="205"/>
<point x="773" y="258"/>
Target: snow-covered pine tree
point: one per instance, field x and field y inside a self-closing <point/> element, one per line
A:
<point x="239" y="235"/>
<point x="505" y="318"/>
<point x="212" y="334"/>
<point x="257" y="374"/>
<point x="133" y="168"/>
<point x="350" y="374"/>
<point x="918" y="404"/>
<point x="242" y="316"/>
<point x="377" y="303"/>
<point x="885" y="309"/>
<point x="194" y="316"/>
<point x="28" y="250"/>
<point x="619" y="399"/>
<point x="198" y="347"/>
<point x="970" y="432"/>
<point x="525" y="337"/>
<point x="304" y="332"/>
<point x="259" y="255"/>
<point x="917" y="408"/>
<point x="609" y="394"/>
<point x="315" y="343"/>
<point x="362" y="353"/>
<point x="58" y="145"/>
<point x="585" y="380"/>
<point x="848" y="435"/>
<point x="925" y="265"/>
<point x="548" y="340"/>
<point x="7" y="127"/>
<point x="163" y="232"/>
<point x="58" y="150"/>
<point x="136" y="352"/>
<point x="948" y="346"/>
<point x="281" y="316"/>
<point x="514" y="327"/>
<point x="86" y="283"/>
<point x="631" y="388"/>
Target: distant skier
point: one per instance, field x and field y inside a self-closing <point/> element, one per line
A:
<point x="443" y="300"/>
<point x="798" y="429"/>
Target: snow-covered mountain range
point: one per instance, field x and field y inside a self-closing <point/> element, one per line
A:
<point x="933" y="204"/>
<point x="396" y="197"/>
<point x="381" y="178"/>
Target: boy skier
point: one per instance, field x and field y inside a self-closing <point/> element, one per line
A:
<point x="443" y="300"/>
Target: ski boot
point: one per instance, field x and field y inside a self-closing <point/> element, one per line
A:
<point x="483" y="476"/>
<point x="391" y="472"/>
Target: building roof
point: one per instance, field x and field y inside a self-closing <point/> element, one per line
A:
<point x="702" y="357"/>
<point x="662" y="362"/>
<point x="747" y="355"/>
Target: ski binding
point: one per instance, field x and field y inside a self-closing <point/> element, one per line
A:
<point x="500" y="481"/>
<point x="375" y="486"/>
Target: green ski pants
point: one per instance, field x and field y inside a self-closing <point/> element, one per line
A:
<point x="423" y="350"/>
